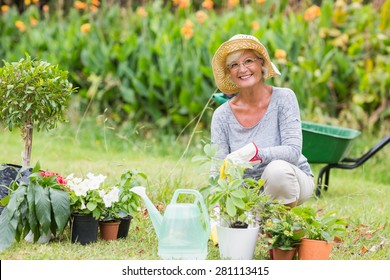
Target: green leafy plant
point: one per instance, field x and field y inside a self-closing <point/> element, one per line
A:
<point x="33" y="93"/>
<point x="283" y="227"/>
<point x="128" y="201"/>
<point x="41" y="206"/>
<point x="239" y="199"/>
<point x="321" y="227"/>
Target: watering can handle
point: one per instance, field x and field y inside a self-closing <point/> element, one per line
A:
<point x="199" y="198"/>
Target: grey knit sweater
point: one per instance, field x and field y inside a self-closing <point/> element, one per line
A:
<point x="278" y="134"/>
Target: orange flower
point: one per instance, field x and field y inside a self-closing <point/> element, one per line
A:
<point x="93" y="8"/>
<point x="181" y="3"/>
<point x="4" y="8"/>
<point x="95" y="3"/>
<point x="20" y="25"/>
<point x="35" y="1"/>
<point x="85" y="28"/>
<point x="80" y="5"/>
<point x="233" y="3"/>
<point x="27" y="2"/>
<point x="312" y="13"/>
<point x="201" y="16"/>
<point x="186" y="30"/>
<point x="261" y="1"/>
<point x="142" y="12"/>
<point x="45" y="8"/>
<point x="208" y="4"/>
<point x="280" y="54"/>
<point x="33" y="21"/>
<point x="255" y="25"/>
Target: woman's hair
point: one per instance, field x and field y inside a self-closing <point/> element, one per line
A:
<point x="235" y="55"/>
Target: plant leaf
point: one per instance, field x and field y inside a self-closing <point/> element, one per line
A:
<point x="42" y="207"/>
<point x="7" y="230"/>
<point x="60" y="205"/>
<point x="230" y="208"/>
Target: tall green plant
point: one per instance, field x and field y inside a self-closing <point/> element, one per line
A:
<point x="33" y="93"/>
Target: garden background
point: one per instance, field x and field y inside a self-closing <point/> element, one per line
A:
<point x="145" y="83"/>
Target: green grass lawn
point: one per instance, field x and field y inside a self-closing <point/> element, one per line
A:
<point x="361" y="196"/>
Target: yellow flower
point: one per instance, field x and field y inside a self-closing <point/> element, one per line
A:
<point x="261" y="1"/>
<point x="311" y="13"/>
<point x="27" y="2"/>
<point x="233" y="3"/>
<point x="4" y="8"/>
<point x="142" y="12"/>
<point x="201" y="16"/>
<point x="80" y="5"/>
<point x="20" y="25"/>
<point x="35" y="1"/>
<point x="85" y="28"/>
<point x="222" y="174"/>
<point x="33" y="21"/>
<point x="208" y="4"/>
<point x="255" y="25"/>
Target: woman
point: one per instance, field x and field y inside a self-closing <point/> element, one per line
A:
<point x="264" y="115"/>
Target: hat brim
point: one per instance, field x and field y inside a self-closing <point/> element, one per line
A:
<point x="218" y="63"/>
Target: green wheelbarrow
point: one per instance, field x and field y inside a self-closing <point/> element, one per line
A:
<point x="330" y="145"/>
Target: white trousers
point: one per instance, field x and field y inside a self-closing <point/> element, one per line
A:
<point x="286" y="183"/>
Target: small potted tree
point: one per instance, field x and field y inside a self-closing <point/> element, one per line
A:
<point x="33" y="93"/>
<point x="238" y="201"/>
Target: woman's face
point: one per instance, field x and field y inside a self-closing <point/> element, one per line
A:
<point x="245" y="71"/>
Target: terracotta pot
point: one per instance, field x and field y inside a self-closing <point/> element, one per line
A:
<point x="109" y="230"/>
<point x="310" y="249"/>
<point x="279" y="254"/>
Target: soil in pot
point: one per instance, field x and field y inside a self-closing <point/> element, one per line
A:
<point x="310" y="249"/>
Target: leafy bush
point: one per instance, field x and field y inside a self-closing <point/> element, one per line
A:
<point x="151" y="64"/>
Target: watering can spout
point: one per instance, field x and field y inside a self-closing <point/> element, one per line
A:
<point x="154" y="214"/>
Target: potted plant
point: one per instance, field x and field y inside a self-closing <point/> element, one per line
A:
<point x="238" y="201"/>
<point x="33" y="93"/>
<point x="129" y="202"/>
<point x="40" y="206"/>
<point x="110" y="217"/>
<point x="284" y="230"/>
<point x="87" y="206"/>
<point x="320" y="231"/>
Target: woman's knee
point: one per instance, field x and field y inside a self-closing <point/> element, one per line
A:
<point x="280" y="182"/>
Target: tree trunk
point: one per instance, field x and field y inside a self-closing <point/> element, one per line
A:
<point x="27" y="137"/>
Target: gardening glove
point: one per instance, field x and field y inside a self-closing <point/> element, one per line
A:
<point x="247" y="154"/>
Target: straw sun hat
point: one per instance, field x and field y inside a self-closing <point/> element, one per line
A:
<point x="238" y="42"/>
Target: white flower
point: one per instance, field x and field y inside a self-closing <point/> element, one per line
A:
<point x="111" y="197"/>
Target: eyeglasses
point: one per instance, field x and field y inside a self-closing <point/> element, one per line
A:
<point x="247" y="63"/>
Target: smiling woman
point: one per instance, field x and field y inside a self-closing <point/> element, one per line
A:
<point x="261" y="114"/>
